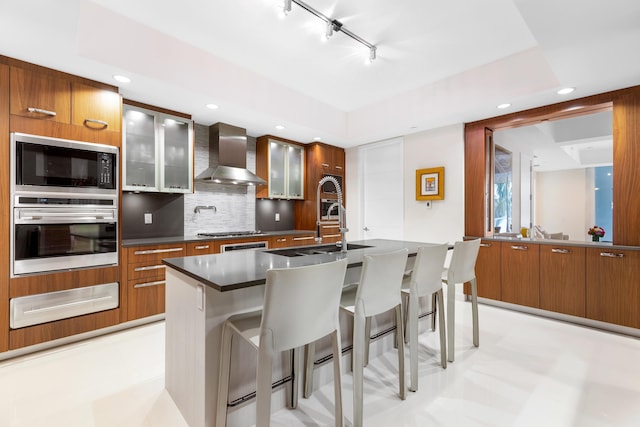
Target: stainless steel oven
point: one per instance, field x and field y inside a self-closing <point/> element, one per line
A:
<point x="328" y="187"/>
<point x="52" y="239"/>
<point x="64" y="202"/>
<point x="244" y="246"/>
<point x="329" y="209"/>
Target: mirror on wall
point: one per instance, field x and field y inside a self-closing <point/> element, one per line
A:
<point x="561" y="177"/>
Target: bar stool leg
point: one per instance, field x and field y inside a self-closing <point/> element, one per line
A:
<point x="223" y="376"/>
<point x="451" y="315"/>
<point x="400" y="342"/>
<point x="264" y="376"/>
<point x="337" y="378"/>
<point x="443" y="327"/>
<point x="309" y="355"/>
<point x="474" y="310"/>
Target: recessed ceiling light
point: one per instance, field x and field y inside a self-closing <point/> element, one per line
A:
<point x="280" y="127"/>
<point x="317" y="138"/>
<point x="122" y="79"/>
<point x="212" y="106"/>
<point x="504" y="106"/>
<point x="566" y="90"/>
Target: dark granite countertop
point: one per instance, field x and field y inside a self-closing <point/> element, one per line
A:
<point x="242" y="269"/>
<point x="193" y="238"/>
<point x="516" y="240"/>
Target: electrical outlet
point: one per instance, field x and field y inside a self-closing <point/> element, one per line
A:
<point x="428" y="204"/>
<point x="277" y="217"/>
<point x="148" y="218"/>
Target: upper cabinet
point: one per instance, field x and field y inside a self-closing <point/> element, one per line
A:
<point x="281" y="164"/>
<point x="52" y="103"/>
<point x="331" y="159"/>
<point x="157" y="151"/>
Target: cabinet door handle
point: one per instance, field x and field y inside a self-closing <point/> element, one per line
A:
<point x="157" y="251"/>
<point x="281" y="240"/>
<point x="147" y="284"/>
<point x="338" y="167"/>
<point x="325" y="165"/>
<point x="485" y="245"/>
<point x="611" y="255"/>
<point x="331" y="235"/>
<point x="41" y="111"/>
<point x="520" y="248"/>
<point x="201" y="247"/>
<point x="561" y="251"/>
<point x="97" y="122"/>
<point x="149" y="267"/>
<point x="304" y="238"/>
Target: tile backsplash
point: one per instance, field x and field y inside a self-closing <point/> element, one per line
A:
<point x="235" y="204"/>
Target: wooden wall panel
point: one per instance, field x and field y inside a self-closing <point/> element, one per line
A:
<point x="626" y="168"/>
<point x="41" y="283"/>
<point x="626" y="143"/>
<point x="5" y="213"/>
<point x="474" y="166"/>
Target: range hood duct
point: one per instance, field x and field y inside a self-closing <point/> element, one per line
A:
<point x="228" y="150"/>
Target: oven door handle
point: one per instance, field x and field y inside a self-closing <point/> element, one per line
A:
<point x="26" y="216"/>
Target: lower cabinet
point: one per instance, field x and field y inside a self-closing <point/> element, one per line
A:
<point x="292" y="240"/>
<point x="488" y="271"/>
<point x="562" y="279"/>
<point x="520" y="273"/>
<point x="146" y="278"/>
<point x="330" y="233"/>
<point x="613" y="286"/>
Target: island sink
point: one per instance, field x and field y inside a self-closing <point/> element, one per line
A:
<point x="315" y="250"/>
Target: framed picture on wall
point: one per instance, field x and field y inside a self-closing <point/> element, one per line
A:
<point x="430" y="184"/>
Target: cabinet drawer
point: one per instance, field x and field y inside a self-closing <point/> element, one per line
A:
<point x="145" y="298"/>
<point x="203" y="248"/>
<point x="155" y="253"/>
<point x="147" y="270"/>
<point x="303" y="240"/>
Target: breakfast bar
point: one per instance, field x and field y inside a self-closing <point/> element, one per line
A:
<point x="202" y="292"/>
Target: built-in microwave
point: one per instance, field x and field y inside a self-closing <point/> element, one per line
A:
<point x="43" y="167"/>
<point x="328" y="187"/>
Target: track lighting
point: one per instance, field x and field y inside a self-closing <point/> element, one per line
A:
<point x="332" y="26"/>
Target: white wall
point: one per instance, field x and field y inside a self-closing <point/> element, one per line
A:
<point x="444" y="221"/>
<point x="565" y="208"/>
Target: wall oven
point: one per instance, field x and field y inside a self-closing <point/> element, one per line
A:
<point x="64" y="201"/>
<point x="328" y="187"/>
<point x="325" y="206"/>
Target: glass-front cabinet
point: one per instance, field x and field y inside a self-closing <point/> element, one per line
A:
<point x="157" y="150"/>
<point x="286" y="170"/>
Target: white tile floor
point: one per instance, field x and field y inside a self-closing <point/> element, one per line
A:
<point x="528" y="371"/>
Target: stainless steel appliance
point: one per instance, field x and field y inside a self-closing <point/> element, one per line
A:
<point x="244" y="246"/>
<point x="329" y="209"/>
<point x="64" y="200"/>
<point x="50" y="165"/>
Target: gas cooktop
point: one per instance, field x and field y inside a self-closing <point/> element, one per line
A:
<point x="231" y="233"/>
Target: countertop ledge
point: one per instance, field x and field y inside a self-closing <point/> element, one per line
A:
<point x="555" y="242"/>
<point x="192" y="238"/>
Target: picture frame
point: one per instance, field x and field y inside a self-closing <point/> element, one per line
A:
<point x="430" y="184"/>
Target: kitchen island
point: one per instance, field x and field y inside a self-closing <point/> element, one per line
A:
<point x="201" y="293"/>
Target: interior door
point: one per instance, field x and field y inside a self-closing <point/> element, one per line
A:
<point x="382" y="190"/>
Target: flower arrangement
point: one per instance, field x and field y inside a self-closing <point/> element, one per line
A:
<point x="596" y="233"/>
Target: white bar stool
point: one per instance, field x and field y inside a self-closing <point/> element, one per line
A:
<point x="425" y="280"/>
<point x="461" y="269"/>
<point x="301" y="305"/>
<point x="377" y="292"/>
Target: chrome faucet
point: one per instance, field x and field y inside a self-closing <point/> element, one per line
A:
<point x="342" y="213"/>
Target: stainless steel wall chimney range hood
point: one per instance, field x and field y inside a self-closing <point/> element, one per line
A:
<point x="228" y="157"/>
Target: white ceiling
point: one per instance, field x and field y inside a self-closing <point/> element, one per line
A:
<point x="438" y="63"/>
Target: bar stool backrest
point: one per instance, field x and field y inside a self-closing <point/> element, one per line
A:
<point x="463" y="261"/>
<point x="427" y="270"/>
<point x="301" y="304"/>
<point x="380" y="282"/>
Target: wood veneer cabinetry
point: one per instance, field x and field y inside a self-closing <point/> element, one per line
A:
<point x="520" y="275"/>
<point x="145" y="277"/>
<point x="51" y="103"/>
<point x="613" y="286"/>
<point x="488" y="271"/>
<point x="292" y="240"/>
<point x="562" y="279"/>
<point x="5" y="214"/>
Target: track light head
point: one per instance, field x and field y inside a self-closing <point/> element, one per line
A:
<point x="287" y="7"/>
<point x="372" y="54"/>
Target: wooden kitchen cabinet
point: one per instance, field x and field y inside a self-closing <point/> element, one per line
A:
<point x="51" y="103"/>
<point x="205" y="247"/>
<point x="157" y="151"/>
<point x="282" y="164"/>
<point x="331" y="159"/>
<point x="145" y="278"/>
<point x="292" y="240"/>
<point x="562" y="279"/>
<point x="520" y="273"/>
<point x="487" y="270"/>
<point x="612" y="286"/>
